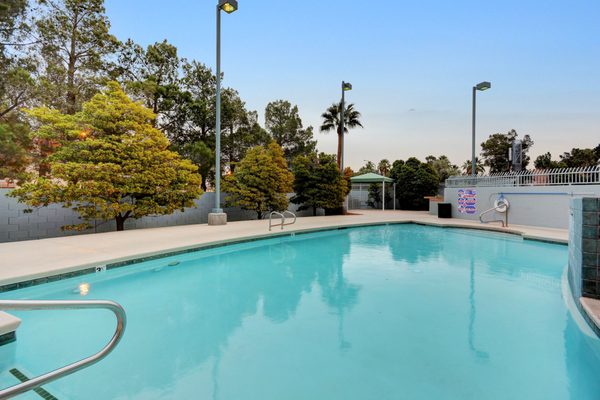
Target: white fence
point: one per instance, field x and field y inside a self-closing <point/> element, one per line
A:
<point x="549" y="177"/>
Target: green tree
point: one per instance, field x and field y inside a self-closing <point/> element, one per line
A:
<point x="384" y="166"/>
<point x="75" y="43"/>
<point x="368" y="168"/>
<point x="495" y="150"/>
<point x="375" y="197"/>
<point x="444" y="168"/>
<point x="578" y="158"/>
<point x="283" y="123"/>
<point x="201" y="156"/>
<point x="318" y="183"/>
<point x="544" y="161"/>
<point x="261" y="181"/>
<point x="414" y="181"/>
<point x="240" y="130"/>
<point x="15" y="147"/>
<point x="479" y="168"/>
<point x="110" y="163"/>
<point x="151" y="75"/>
<point x="332" y="122"/>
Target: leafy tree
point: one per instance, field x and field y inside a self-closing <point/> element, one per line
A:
<point x="348" y="173"/>
<point x="283" y="123"/>
<point x="240" y="130"/>
<point x="318" y="183"/>
<point x="369" y="167"/>
<point x="201" y="156"/>
<point x="414" y="181"/>
<point x="195" y="115"/>
<point x="444" y="168"/>
<point x="495" y="151"/>
<point x="431" y="159"/>
<point x="578" y="158"/>
<point x="544" y="161"/>
<point x="374" y="196"/>
<point x="479" y="168"/>
<point x="16" y="66"/>
<point x="15" y="147"/>
<point x="260" y="182"/>
<point x="74" y="43"/>
<point x="332" y="122"/>
<point x="110" y="163"/>
<point x="151" y="75"/>
<point x="384" y="166"/>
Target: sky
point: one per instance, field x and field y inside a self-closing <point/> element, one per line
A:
<point x="412" y="65"/>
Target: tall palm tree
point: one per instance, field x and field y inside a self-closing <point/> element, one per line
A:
<point x="478" y="166"/>
<point x="384" y="166"/>
<point x="331" y="121"/>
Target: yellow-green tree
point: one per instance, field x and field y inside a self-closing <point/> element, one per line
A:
<point x="110" y="163"/>
<point x="260" y="182"/>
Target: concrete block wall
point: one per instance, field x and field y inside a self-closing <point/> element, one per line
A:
<point x="15" y="225"/>
<point x="543" y="206"/>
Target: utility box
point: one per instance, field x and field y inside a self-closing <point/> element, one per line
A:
<point x="444" y="210"/>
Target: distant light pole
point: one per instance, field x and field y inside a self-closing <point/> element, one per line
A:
<point x="218" y="217"/>
<point x="345" y="86"/>
<point x="481" y="86"/>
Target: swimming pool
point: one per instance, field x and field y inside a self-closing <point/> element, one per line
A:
<point x="389" y="312"/>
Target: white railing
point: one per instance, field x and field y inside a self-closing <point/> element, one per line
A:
<point x="539" y="177"/>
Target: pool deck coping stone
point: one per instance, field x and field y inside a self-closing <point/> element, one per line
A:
<point x="33" y="262"/>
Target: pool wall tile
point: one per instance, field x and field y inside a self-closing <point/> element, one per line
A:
<point x="584" y="249"/>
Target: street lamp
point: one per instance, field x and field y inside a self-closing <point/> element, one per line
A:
<point x="481" y="86"/>
<point x="217" y="216"/>
<point x="345" y="86"/>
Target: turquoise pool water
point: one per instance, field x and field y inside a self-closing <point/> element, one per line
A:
<point x="391" y="312"/>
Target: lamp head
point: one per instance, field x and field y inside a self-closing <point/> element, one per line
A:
<point x="483" y="86"/>
<point x="346" y="86"/>
<point x="228" y="6"/>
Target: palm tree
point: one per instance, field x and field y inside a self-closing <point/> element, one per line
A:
<point x="384" y="166"/>
<point x="478" y="166"/>
<point x="331" y="121"/>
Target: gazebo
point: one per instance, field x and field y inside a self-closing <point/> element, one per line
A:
<point x="375" y="178"/>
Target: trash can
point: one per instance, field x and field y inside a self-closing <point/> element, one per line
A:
<point x="444" y="210"/>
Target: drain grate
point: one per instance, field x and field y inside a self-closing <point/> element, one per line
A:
<point x="44" y="394"/>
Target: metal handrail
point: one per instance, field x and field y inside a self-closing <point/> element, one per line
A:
<point x="282" y="219"/>
<point x="496" y="220"/>
<point x="34" y="305"/>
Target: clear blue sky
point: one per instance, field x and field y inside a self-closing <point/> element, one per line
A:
<point x="412" y="66"/>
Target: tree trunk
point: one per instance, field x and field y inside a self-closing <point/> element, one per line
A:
<point x="120" y="222"/>
<point x="71" y="95"/>
<point x="259" y="214"/>
<point x="314" y="211"/>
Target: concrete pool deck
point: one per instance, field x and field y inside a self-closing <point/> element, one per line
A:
<point x="30" y="260"/>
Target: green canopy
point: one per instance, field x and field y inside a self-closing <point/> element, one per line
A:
<point x="371" y="177"/>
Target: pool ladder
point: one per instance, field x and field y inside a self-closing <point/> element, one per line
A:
<point x="35" y="305"/>
<point x="282" y="215"/>
<point x="499" y="209"/>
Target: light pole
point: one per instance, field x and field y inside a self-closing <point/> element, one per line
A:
<point x="217" y="216"/>
<point x="345" y="86"/>
<point x="481" y="86"/>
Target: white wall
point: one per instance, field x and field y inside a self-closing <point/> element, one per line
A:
<point x="545" y="208"/>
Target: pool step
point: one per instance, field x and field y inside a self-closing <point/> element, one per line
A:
<point x="41" y="391"/>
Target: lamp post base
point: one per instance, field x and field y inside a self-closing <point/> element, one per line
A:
<point x="217" y="219"/>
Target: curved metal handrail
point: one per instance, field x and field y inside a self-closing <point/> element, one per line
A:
<point x="282" y="215"/>
<point x="496" y="220"/>
<point x="291" y="223"/>
<point x="34" y="305"/>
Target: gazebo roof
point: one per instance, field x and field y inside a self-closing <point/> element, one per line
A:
<point x="371" y="177"/>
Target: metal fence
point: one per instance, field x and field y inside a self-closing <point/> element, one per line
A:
<point x="540" y="177"/>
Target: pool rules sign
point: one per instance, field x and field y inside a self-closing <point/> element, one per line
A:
<point x="467" y="201"/>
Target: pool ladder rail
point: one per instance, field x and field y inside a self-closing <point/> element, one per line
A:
<point x="282" y="215"/>
<point x="35" y="305"/>
<point x="501" y="205"/>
